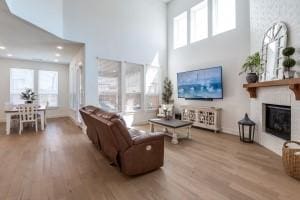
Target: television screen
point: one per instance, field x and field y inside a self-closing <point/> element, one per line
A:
<point x="201" y="84"/>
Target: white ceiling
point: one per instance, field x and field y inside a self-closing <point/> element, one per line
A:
<point x="26" y="41"/>
<point x="166" y="1"/>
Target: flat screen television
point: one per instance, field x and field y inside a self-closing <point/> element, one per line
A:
<point x="201" y="84"/>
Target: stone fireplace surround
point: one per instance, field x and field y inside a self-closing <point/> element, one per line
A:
<point x="281" y="95"/>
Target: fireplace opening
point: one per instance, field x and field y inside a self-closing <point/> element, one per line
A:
<point x="278" y="121"/>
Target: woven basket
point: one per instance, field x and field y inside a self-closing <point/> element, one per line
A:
<point x="291" y="159"/>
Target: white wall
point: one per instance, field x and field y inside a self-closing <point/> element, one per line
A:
<point x="131" y="30"/>
<point x="63" y="81"/>
<point x="47" y="14"/>
<point x="228" y="49"/>
<point x="264" y="13"/>
<point x="74" y="82"/>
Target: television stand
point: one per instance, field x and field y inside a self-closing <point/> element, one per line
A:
<point x="203" y="117"/>
<point x="200" y="99"/>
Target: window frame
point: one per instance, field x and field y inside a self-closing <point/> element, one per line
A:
<point x="176" y="40"/>
<point x="159" y="87"/>
<point x="125" y="66"/>
<point x="118" y="94"/>
<point x="11" y="83"/>
<point x="122" y="89"/>
<point x="200" y="7"/>
<point x="215" y="18"/>
<point x="38" y="87"/>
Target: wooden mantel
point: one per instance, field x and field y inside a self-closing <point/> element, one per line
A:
<point x="293" y="84"/>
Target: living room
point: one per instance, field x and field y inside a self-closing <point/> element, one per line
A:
<point x="149" y="99"/>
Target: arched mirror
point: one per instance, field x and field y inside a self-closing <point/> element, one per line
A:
<point x="274" y="41"/>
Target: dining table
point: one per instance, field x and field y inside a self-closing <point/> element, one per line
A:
<point x="13" y="111"/>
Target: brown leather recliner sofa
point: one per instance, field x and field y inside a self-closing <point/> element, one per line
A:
<point x="135" y="152"/>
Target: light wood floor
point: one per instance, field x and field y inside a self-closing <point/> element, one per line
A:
<point x="61" y="163"/>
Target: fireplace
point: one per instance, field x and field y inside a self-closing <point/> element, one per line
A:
<point x="278" y="121"/>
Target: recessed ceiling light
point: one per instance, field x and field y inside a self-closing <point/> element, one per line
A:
<point x="9" y="55"/>
<point x="2" y="47"/>
<point x="60" y="47"/>
<point x="56" y="60"/>
<point x="57" y="55"/>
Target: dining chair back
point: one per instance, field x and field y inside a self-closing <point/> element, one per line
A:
<point x="28" y="113"/>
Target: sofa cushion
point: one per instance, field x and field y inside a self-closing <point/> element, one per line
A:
<point x="121" y="134"/>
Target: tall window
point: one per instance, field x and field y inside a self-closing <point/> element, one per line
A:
<point x="224" y="16"/>
<point x="180" y="30"/>
<point x="48" y="88"/>
<point x="109" y="81"/>
<point x="199" y="22"/>
<point x="20" y="79"/>
<point x="133" y="87"/>
<point x="152" y="87"/>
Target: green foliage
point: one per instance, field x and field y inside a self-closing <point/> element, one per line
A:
<point x="28" y="95"/>
<point x="288" y="62"/>
<point x="289" y="51"/>
<point x="252" y="65"/>
<point x="167" y="91"/>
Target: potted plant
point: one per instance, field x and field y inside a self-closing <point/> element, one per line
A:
<point x="167" y="91"/>
<point x="166" y="97"/>
<point x="29" y="96"/>
<point x="288" y="62"/>
<point x="252" y="67"/>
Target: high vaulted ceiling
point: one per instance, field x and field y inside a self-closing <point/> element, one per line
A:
<point x="166" y="1"/>
<point x="23" y="40"/>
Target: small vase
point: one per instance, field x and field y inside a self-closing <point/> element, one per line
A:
<point x="28" y="102"/>
<point x="252" y="78"/>
<point x="289" y="74"/>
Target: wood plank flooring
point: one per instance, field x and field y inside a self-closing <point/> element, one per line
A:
<point x="62" y="164"/>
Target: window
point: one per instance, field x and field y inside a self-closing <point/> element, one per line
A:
<point x="199" y="22"/>
<point x="128" y="87"/>
<point x="133" y="87"/>
<point x="109" y="81"/>
<point x="224" y="16"/>
<point x="20" y="79"/>
<point x="180" y="30"/>
<point x="48" y="88"/>
<point x="152" y="87"/>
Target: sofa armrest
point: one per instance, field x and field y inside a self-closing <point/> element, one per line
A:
<point x="149" y="137"/>
<point x="145" y="155"/>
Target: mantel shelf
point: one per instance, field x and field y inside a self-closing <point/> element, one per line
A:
<point x="293" y="84"/>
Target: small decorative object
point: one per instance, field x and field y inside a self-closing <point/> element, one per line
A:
<point x="246" y="129"/>
<point x="167" y="91"/>
<point x="29" y="96"/>
<point x="291" y="158"/>
<point x="288" y="62"/>
<point x="252" y="67"/>
<point x="167" y="112"/>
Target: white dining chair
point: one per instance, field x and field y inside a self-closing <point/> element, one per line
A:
<point x="14" y="120"/>
<point x="28" y="114"/>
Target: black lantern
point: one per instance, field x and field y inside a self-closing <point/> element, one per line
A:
<point x="246" y="129"/>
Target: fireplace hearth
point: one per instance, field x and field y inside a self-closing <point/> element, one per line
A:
<point x="278" y="121"/>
